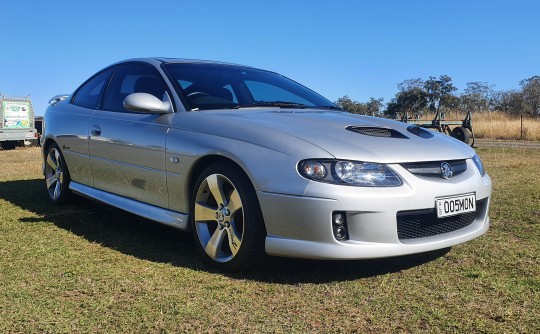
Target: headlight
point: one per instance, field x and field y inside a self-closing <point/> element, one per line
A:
<point x="313" y="169"/>
<point x="354" y="173"/>
<point x="479" y="164"/>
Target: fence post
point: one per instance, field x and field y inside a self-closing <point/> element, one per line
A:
<point x="521" y="138"/>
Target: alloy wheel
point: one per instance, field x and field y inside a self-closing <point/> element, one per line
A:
<point x="54" y="174"/>
<point x="219" y="218"/>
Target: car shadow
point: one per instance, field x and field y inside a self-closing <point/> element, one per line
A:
<point x="144" y="239"/>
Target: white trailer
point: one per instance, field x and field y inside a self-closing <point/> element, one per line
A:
<point x="17" y="124"/>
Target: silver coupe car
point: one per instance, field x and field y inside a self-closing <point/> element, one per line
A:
<point x="254" y="163"/>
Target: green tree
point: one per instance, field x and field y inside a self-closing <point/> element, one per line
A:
<point x="478" y="96"/>
<point x="411" y="101"/>
<point x="411" y="84"/>
<point x="509" y="101"/>
<point x="374" y="106"/>
<point x="392" y="109"/>
<point x="439" y="92"/>
<point x="531" y="95"/>
<point x="452" y="102"/>
<point x="354" y="107"/>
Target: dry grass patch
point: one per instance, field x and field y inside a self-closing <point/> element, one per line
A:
<point x="20" y="163"/>
<point x="496" y="125"/>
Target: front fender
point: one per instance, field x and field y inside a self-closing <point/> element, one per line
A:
<point x="268" y="168"/>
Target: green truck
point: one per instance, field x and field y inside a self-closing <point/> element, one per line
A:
<point x="17" y="122"/>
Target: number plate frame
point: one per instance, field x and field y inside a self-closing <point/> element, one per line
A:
<point x="454" y="205"/>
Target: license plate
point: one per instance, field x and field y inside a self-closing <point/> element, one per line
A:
<point x="454" y="205"/>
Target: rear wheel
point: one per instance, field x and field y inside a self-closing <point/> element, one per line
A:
<point x="56" y="175"/>
<point x="8" y="145"/>
<point x="226" y="218"/>
<point x="462" y="134"/>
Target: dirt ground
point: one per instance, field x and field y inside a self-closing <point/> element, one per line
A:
<point x="506" y="143"/>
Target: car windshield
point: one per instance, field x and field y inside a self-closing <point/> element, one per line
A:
<point x="218" y="86"/>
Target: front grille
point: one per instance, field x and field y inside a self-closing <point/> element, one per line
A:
<point x="433" y="168"/>
<point x="376" y="131"/>
<point x="424" y="223"/>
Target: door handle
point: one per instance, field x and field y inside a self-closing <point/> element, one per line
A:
<point x="96" y="130"/>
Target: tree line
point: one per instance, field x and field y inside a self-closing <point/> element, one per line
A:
<point x="417" y="97"/>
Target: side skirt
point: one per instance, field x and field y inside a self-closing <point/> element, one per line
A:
<point x="172" y="218"/>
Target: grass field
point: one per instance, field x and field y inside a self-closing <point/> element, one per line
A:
<point x="87" y="267"/>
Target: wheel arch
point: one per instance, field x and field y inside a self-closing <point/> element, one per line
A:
<point x="48" y="142"/>
<point x="45" y="147"/>
<point x="208" y="160"/>
<point x="201" y="164"/>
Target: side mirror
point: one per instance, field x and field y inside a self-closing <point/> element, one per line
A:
<point x="58" y="98"/>
<point x="146" y="103"/>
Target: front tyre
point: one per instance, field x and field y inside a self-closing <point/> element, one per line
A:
<point x="226" y="218"/>
<point x="56" y="175"/>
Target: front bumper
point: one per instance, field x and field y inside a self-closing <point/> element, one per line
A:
<point x="300" y="226"/>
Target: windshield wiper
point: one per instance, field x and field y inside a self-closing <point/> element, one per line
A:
<point x="329" y="107"/>
<point x="284" y="104"/>
<point x="279" y="104"/>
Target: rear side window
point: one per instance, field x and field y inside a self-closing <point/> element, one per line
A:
<point x="132" y="78"/>
<point x="89" y="94"/>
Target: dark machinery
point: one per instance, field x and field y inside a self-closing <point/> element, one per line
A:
<point x="459" y="129"/>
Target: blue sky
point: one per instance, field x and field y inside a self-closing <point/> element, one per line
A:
<point x="358" y="48"/>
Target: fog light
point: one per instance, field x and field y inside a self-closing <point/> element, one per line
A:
<point x="340" y="233"/>
<point x="339" y="218"/>
<point x="339" y="226"/>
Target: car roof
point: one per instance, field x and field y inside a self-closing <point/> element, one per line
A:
<point x="158" y="60"/>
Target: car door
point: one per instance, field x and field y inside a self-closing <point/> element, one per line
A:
<point x="127" y="149"/>
<point x="72" y="120"/>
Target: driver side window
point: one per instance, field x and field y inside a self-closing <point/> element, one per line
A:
<point x="129" y="79"/>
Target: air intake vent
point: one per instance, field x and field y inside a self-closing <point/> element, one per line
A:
<point x="419" y="131"/>
<point x="376" y="131"/>
<point x="432" y="169"/>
